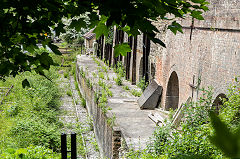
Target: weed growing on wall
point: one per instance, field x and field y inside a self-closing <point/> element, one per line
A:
<point x="142" y="84"/>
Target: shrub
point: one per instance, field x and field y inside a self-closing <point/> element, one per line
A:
<point x="31" y="152"/>
<point x="126" y="88"/>
<point x="69" y="93"/>
<point x="118" y="80"/>
<point x="142" y="84"/>
<point x="191" y="141"/>
<point x="31" y="113"/>
<point x="136" y="93"/>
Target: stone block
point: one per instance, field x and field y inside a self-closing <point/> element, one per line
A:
<point x="150" y="96"/>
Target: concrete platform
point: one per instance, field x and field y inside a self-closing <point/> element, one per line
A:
<point x="135" y="126"/>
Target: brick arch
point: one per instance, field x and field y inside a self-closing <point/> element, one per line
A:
<point x="218" y="102"/>
<point x="172" y="92"/>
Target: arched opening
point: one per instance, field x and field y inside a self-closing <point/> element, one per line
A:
<point x="172" y="95"/>
<point x="218" y="102"/>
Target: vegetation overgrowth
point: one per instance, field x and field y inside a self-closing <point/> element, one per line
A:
<point x="28" y="116"/>
<point x="29" y="123"/>
<point x="198" y="135"/>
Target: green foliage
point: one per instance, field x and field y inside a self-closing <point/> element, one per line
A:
<point x="230" y="111"/>
<point x="69" y="93"/>
<point x="160" y="139"/>
<point x="126" y="88"/>
<point x="191" y="141"/>
<point x="109" y="39"/>
<point x="226" y="140"/>
<point x="227" y="125"/>
<point x="82" y="73"/>
<point x="141" y="84"/>
<point x="66" y="75"/>
<point x="118" y="80"/>
<point x="25" y="24"/>
<point x="32" y="131"/>
<point x="121" y="49"/>
<point x="89" y="84"/>
<point x="73" y="34"/>
<point x="31" y="152"/>
<point x="136" y="93"/>
<point x="171" y="113"/>
<point x="111" y="121"/>
<point x="120" y="69"/>
<point x="94" y="74"/>
<point x="143" y="154"/>
<point x="105" y="68"/>
<point x="101" y="28"/>
<point x="96" y="61"/>
<point x="83" y="102"/>
<point x="31" y="112"/>
<point x="101" y="75"/>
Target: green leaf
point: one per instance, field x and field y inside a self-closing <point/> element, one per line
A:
<point x="157" y="41"/>
<point x="197" y="1"/>
<point x="174" y="27"/>
<point x="100" y="30"/>
<point x="197" y="15"/>
<point x="121" y="49"/>
<point x="224" y="139"/>
<point x="25" y="83"/>
<point x="78" y="24"/>
<point x="205" y="8"/>
<point x="45" y="60"/>
<point x="54" y="49"/>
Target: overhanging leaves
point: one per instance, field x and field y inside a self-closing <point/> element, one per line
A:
<point x="25" y="24"/>
<point x="78" y="24"/>
<point x="228" y="142"/>
<point x="121" y="49"/>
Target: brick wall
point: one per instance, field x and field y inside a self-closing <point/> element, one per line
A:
<point x="212" y="55"/>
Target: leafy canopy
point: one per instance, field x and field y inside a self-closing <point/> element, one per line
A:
<point x="26" y="24"/>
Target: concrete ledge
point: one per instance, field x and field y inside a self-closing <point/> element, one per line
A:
<point x="132" y="125"/>
<point x="107" y="137"/>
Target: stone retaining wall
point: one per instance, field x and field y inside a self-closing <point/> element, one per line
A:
<point x="108" y="137"/>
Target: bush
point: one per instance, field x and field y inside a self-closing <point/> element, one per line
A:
<point x="31" y="152"/>
<point x="136" y="93"/>
<point x="36" y="131"/>
<point x="118" y="80"/>
<point x="141" y="84"/>
<point x="191" y="141"/>
<point x="30" y="114"/>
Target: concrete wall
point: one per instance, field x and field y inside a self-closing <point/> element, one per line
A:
<point x="108" y="138"/>
<point x="211" y="56"/>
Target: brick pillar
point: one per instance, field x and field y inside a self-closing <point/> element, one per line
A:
<point x="116" y="143"/>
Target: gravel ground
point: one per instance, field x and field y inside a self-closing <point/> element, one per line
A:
<point x="76" y="119"/>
